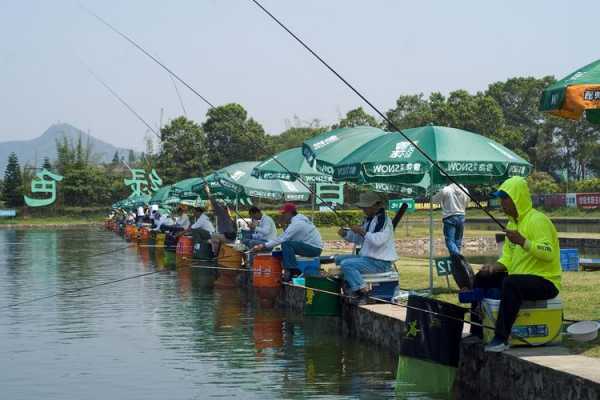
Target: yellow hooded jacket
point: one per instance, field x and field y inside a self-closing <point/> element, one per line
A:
<point x="540" y="254"/>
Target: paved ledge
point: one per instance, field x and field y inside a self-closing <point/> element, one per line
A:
<point x="545" y="373"/>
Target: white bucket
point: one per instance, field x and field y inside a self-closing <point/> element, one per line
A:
<point x="583" y="331"/>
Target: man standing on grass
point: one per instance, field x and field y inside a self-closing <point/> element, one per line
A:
<point x="454" y="203"/>
<point x="529" y="268"/>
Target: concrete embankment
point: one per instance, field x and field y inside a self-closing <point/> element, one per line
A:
<point x="544" y="373"/>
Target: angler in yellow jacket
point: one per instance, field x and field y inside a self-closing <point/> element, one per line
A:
<point x="529" y="268"/>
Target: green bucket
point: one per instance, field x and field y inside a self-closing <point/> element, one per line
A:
<point x="317" y="303"/>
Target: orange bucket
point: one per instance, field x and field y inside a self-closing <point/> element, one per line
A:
<point x="266" y="271"/>
<point x="144" y="235"/>
<point x="130" y="232"/>
<point x="185" y="247"/>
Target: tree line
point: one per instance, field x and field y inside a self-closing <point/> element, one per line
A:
<point x="565" y="154"/>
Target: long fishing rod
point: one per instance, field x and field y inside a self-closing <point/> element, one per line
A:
<point x="172" y="73"/>
<point x="79" y="289"/>
<point x="121" y="100"/>
<point x="140" y="48"/>
<point x="374" y="108"/>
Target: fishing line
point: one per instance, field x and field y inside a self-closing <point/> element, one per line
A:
<point x="79" y="289"/>
<point x="173" y="74"/>
<point x="178" y="95"/>
<point x="116" y="95"/>
<point x="477" y="324"/>
<point x="140" y="48"/>
<point x="374" y="108"/>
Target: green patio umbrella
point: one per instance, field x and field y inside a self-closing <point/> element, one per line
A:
<point x="161" y="195"/>
<point x="468" y="157"/>
<point x="327" y="149"/>
<point x="238" y="178"/>
<point x="289" y="165"/>
<point x="575" y="94"/>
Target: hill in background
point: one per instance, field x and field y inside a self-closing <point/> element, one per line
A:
<point x="33" y="151"/>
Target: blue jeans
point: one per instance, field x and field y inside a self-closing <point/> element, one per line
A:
<point x="354" y="266"/>
<point x="250" y="243"/>
<point x="454" y="227"/>
<point x="293" y="248"/>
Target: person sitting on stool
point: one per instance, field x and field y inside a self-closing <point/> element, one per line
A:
<point x="301" y="237"/>
<point x="378" y="249"/>
<point x="529" y="268"/>
<point x="263" y="226"/>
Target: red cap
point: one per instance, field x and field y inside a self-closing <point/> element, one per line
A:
<point x="288" y="208"/>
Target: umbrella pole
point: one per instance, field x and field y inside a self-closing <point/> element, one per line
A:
<point x="430" y="240"/>
<point x="314" y="200"/>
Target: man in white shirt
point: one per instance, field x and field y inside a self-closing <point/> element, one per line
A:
<point x="263" y="228"/>
<point x="183" y="221"/>
<point x="378" y="248"/>
<point x="454" y="203"/>
<point x="300" y="237"/>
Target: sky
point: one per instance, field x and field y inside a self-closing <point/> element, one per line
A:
<point x="229" y="51"/>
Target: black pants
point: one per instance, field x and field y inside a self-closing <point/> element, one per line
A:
<point x="515" y="290"/>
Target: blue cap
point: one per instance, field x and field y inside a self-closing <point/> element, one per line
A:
<point x="499" y="194"/>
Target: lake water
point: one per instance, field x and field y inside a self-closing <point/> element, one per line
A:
<point x="170" y="335"/>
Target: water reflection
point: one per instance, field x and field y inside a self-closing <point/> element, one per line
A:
<point x="417" y="378"/>
<point x="176" y="335"/>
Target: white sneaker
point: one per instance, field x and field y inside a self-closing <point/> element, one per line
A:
<point x="496" y="346"/>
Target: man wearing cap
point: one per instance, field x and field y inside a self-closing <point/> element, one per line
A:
<point x="301" y="238"/>
<point x="378" y="249"/>
<point x="529" y="268"/>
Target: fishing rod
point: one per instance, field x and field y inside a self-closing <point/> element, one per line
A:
<point x="140" y="48"/>
<point x="172" y="73"/>
<point x="410" y="307"/>
<point x="79" y="289"/>
<point x="374" y="108"/>
<point x="116" y="95"/>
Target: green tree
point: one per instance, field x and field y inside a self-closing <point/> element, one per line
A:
<point x="233" y="137"/>
<point x="184" y="151"/>
<point x="477" y="113"/>
<point x="293" y="137"/>
<point x="357" y="117"/>
<point x="47" y="165"/>
<point x="116" y="159"/>
<point x="131" y="157"/>
<point x="542" y="183"/>
<point x="519" y="99"/>
<point x="85" y="186"/>
<point x="12" y="191"/>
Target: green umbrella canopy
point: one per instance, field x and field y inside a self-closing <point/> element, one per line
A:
<point x="238" y="178"/>
<point x="574" y="94"/>
<point x="468" y="157"/>
<point x="132" y="202"/>
<point x="329" y="148"/>
<point x="161" y="195"/>
<point x="289" y="165"/>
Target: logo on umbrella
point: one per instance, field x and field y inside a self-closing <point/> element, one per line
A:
<point x="402" y="150"/>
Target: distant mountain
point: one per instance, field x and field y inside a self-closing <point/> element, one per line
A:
<point x="30" y="151"/>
